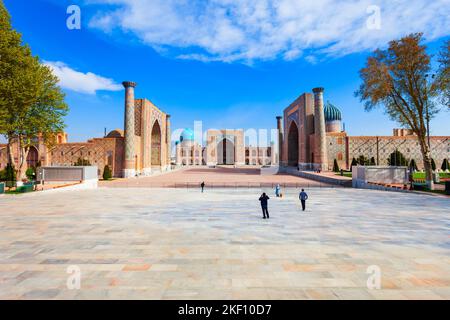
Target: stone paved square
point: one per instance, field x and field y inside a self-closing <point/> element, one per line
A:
<point x="155" y="243"/>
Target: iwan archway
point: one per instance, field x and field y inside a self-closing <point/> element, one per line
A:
<point x="156" y="144"/>
<point x="225" y="152"/>
<point x="293" y="144"/>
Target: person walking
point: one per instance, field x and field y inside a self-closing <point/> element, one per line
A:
<point x="303" y="197"/>
<point x="264" y="203"/>
<point x="202" y="185"/>
<point x="278" y="190"/>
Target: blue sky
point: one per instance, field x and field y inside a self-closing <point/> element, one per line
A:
<point x="228" y="64"/>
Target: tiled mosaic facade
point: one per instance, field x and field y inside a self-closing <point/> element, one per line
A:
<point x="218" y="152"/>
<point x="141" y="149"/>
<point x="300" y="145"/>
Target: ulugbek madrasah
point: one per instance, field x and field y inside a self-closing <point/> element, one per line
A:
<point x="310" y="137"/>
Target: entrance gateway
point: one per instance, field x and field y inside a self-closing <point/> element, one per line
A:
<point x="225" y="147"/>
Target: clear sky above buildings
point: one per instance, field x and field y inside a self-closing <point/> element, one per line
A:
<point x="230" y="64"/>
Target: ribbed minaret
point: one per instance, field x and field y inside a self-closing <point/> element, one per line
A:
<point x="320" y="135"/>
<point x="129" y="166"/>
<point x="280" y="139"/>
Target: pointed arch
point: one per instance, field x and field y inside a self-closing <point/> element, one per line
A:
<point x="156" y="144"/>
<point x="33" y="157"/>
<point x="293" y="144"/>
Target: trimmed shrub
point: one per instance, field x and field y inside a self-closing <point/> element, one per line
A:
<point x="107" y="174"/>
<point x="9" y="176"/>
<point x="413" y="165"/>
<point x="82" y="163"/>
<point x="445" y="165"/>
<point x="363" y="161"/>
<point x="433" y="165"/>
<point x="31" y="173"/>
<point x="397" y="158"/>
<point x="335" y="166"/>
<point x="354" y="163"/>
<point x="372" y="162"/>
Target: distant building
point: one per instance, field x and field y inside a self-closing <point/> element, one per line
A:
<point x="223" y="147"/>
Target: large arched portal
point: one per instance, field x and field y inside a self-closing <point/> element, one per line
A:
<point x="225" y="152"/>
<point x="156" y="144"/>
<point x="33" y="157"/>
<point x="293" y="145"/>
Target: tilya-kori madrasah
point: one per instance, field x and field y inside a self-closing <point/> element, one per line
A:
<point x="310" y="137"/>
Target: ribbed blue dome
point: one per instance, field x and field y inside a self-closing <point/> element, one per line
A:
<point x="332" y="113"/>
<point x="187" y="135"/>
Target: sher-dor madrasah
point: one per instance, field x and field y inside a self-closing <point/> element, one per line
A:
<point x="310" y="137"/>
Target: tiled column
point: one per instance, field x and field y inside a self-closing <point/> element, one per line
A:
<point x="320" y="153"/>
<point x="130" y="151"/>
<point x="280" y="139"/>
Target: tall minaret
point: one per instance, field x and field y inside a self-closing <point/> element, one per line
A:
<point x="129" y="166"/>
<point x="320" y="136"/>
<point x="280" y="139"/>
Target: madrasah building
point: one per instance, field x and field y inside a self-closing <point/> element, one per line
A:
<point x="310" y="137"/>
<point x="223" y="147"/>
<point x="141" y="149"/>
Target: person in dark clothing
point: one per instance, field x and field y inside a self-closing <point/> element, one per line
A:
<point x="263" y="199"/>
<point x="202" y="186"/>
<point x="303" y="197"/>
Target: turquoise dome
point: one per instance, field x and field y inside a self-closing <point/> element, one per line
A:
<point x="187" y="135"/>
<point x="332" y="113"/>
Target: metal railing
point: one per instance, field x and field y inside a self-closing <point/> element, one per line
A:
<point x="221" y="185"/>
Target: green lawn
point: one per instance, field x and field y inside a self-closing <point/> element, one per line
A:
<point x="417" y="175"/>
<point x="346" y="174"/>
<point x="421" y="175"/>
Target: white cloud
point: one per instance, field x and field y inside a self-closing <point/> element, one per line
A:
<point x="81" y="82"/>
<point x="249" y="30"/>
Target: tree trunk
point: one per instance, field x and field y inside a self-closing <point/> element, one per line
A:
<point x="426" y="154"/>
<point x="23" y="154"/>
<point x="10" y="153"/>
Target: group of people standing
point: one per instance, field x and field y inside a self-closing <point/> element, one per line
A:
<point x="264" y="199"/>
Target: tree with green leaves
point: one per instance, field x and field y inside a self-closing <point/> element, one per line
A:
<point x="31" y="103"/>
<point x="335" y="166"/>
<point x="397" y="158"/>
<point x="445" y="165"/>
<point x="398" y="79"/>
<point x="107" y="174"/>
<point x="443" y="74"/>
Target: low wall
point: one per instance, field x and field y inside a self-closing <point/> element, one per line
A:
<point x="315" y="177"/>
<point x="364" y="175"/>
<point x="86" y="176"/>
<point x="84" y="185"/>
